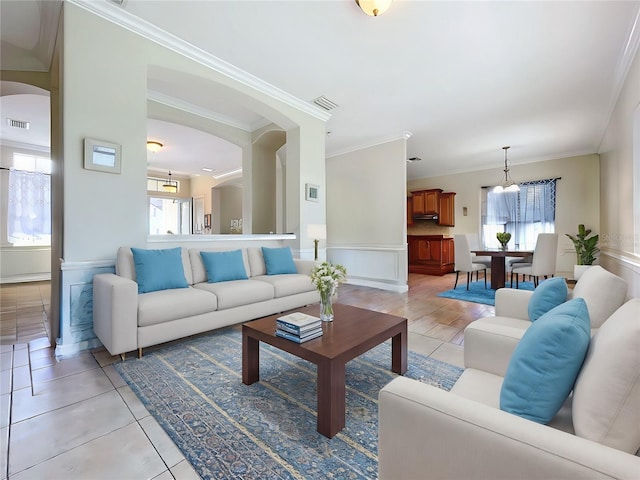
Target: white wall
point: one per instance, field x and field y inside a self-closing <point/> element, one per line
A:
<point x="104" y="95"/>
<point x="618" y="229"/>
<point x="578" y="196"/>
<point x="230" y="206"/>
<point x="366" y="214"/>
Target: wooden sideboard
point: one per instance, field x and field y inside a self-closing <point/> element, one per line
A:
<point x="430" y="254"/>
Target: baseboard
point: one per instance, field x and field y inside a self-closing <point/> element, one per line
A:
<point x="29" y="277"/>
<point x="381" y="285"/>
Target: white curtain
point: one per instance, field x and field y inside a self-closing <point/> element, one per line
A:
<point x="524" y="214"/>
<point x="29" y="208"/>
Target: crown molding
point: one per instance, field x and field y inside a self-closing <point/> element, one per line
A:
<point x="173" y="102"/>
<point x="25" y="146"/>
<point x="372" y="143"/>
<point x="117" y="15"/>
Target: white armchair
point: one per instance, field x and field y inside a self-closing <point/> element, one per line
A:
<point x="426" y="432"/>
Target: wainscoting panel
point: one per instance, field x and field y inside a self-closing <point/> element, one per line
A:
<point x="625" y="266"/>
<point x="24" y="263"/>
<point x="76" y="315"/>
<point x="379" y="267"/>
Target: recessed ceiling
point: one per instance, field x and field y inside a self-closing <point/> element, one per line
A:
<point x="465" y="78"/>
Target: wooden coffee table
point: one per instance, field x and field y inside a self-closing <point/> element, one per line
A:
<point x="353" y="332"/>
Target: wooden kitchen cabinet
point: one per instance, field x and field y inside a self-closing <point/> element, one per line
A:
<point x="409" y="211"/>
<point x="446" y="210"/>
<point x="431" y="201"/>
<point x="425" y="202"/>
<point x="430" y="254"/>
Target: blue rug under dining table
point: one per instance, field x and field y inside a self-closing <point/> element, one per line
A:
<point x="477" y="293"/>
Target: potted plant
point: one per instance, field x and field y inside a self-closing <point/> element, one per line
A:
<point x="586" y="249"/>
<point x="503" y="238"/>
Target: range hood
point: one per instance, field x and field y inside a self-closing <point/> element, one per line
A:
<point x="428" y="216"/>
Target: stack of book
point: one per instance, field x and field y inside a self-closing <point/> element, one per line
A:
<point x="298" y="327"/>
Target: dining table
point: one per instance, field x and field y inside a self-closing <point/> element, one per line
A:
<point x="498" y="258"/>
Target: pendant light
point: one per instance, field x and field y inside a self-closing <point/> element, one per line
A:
<point x="507" y="184"/>
<point x="170" y="186"/>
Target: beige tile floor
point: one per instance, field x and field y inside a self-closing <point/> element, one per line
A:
<point x="75" y="418"/>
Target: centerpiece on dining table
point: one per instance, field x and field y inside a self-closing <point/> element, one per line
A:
<point x="503" y="238"/>
<point x="326" y="277"/>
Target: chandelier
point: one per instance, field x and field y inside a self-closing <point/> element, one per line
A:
<point x="507" y="184"/>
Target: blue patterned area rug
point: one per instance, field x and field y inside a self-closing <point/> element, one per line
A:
<point x="477" y="293"/>
<point x="266" y="430"/>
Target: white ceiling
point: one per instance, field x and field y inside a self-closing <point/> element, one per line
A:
<point x="465" y="78"/>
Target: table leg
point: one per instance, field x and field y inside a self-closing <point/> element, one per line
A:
<point x="399" y="352"/>
<point x="331" y="398"/>
<point x="497" y="272"/>
<point x="250" y="359"/>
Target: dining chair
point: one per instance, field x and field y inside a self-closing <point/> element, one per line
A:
<point x="463" y="262"/>
<point x="474" y="244"/>
<point x="543" y="262"/>
<point x="518" y="262"/>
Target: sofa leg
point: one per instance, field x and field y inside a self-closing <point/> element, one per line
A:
<point x="122" y="356"/>
<point x="139" y="352"/>
<point x="469" y="274"/>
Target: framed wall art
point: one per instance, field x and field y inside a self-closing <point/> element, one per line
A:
<point x="101" y="156"/>
<point x="311" y="192"/>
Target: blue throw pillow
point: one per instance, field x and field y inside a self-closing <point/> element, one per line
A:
<point x="549" y="294"/>
<point x="224" y="266"/>
<point x="278" y="260"/>
<point x="159" y="269"/>
<point x="546" y="362"/>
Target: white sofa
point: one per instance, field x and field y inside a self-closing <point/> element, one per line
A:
<point x="426" y="432"/>
<point x="125" y="320"/>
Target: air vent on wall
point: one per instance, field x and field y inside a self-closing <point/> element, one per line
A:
<point x="414" y="159"/>
<point x="18" y="123"/>
<point x="119" y="2"/>
<point x="325" y="103"/>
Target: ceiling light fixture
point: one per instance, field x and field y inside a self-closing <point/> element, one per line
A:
<point x="507" y="185"/>
<point x="373" y="8"/>
<point x="170" y="186"/>
<point x="154" y="146"/>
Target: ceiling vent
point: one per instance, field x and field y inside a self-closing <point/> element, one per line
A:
<point x="18" y="124"/>
<point x="324" y="103"/>
<point x="414" y="159"/>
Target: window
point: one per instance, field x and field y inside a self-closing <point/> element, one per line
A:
<point x="524" y="214"/>
<point x="29" y="201"/>
<point x="169" y="216"/>
<point x="157" y="184"/>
